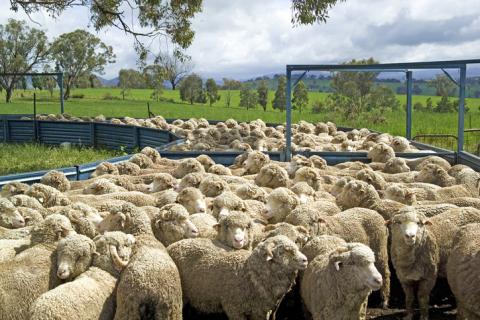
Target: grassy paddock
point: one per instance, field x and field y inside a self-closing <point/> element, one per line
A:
<point x="17" y="158"/>
<point x="108" y="101"/>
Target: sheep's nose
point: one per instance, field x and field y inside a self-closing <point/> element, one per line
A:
<point x="378" y="280"/>
<point x="409" y="235"/>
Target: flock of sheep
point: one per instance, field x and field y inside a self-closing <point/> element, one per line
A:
<point x="144" y="238"/>
<point x="230" y="135"/>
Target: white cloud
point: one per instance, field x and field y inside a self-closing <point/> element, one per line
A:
<point x="247" y="38"/>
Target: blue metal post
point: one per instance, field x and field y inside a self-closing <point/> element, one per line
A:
<point x="288" y="132"/>
<point x="60" y="85"/>
<point x="461" y="107"/>
<point x="409" y="104"/>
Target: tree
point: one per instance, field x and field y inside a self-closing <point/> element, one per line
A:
<point x="21" y="48"/>
<point x="443" y="85"/>
<point x="429" y="105"/>
<point x="191" y="89"/>
<point x="362" y="81"/>
<point x="130" y="79"/>
<point x="280" y="96"/>
<point x="154" y="76"/>
<point x="318" y="106"/>
<point x="300" y="96"/>
<point x="311" y="11"/>
<point x="380" y="100"/>
<point x="418" y="106"/>
<point x="212" y="91"/>
<point x="175" y="65"/>
<point x="262" y="92"/>
<point x="228" y="85"/>
<point x="37" y="83"/>
<point x="80" y="53"/>
<point x="88" y="80"/>
<point x="248" y="97"/>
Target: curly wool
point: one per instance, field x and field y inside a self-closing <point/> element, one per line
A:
<point x="56" y="179"/>
<point x="212" y="186"/>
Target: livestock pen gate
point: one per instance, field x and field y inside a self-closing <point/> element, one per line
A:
<point x="407" y="67"/>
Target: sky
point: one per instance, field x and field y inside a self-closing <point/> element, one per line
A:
<point x="243" y="39"/>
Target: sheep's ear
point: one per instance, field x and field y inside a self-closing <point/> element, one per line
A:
<point x="95" y="254"/>
<point x="427" y="223"/>
<point x="269" y="227"/>
<point x="439" y="170"/>
<point x="321" y="220"/>
<point x="216" y="227"/>
<point x="388" y="222"/>
<point x="269" y="252"/>
<point x="302" y="229"/>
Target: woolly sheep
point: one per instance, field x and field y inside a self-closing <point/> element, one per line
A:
<point x="192" y="199"/>
<point x="214" y="281"/>
<point x="308" y="175"/>
<point x="353" y="225"/>
<point x="381" y="152"/>
<point x="163" y="181"/>
<point x="93" y="292"/>
<point x="372" y="177"/>
<point x="468" y="177"/>
<point x="56" y="179"/>
<point x="212" y="186"/>
<point x="205" y="224"/>
<point x="187" y="166"/>
<point x="304" y="192"/>
<point x="191" y="180"/>
<point x="255" y="161"/>
<point x="433" y="173"/>
<point x="142" y="160"/>
<point x="153" y="154"/>
<point x="128" y="168"/>
<point x="22" y="200"/>
<point x="418" y="163"/>
<point x="336" y="284"/>
<point x="272" y="176"/>
<point x="10" y="217"/>
<point x="226" y="202"/>
<point x="400" y="144"/>
<point x="251" y="191"/>
<point x="206" y="161"/>
<point x="102" y="186"/>
<point x="280" y="202"/>
<point x="220" y="170"/>
<point x="14" y="188"/>
<point x="105" y="168"/>
<point x="463" y="273"/>
<point x="172" y="224"/>
<point x="47" y="196"/>
<point x="237" y="231"/>
<point x="420" y="249"/>
<point x="297" y="234"/>
<point x="297" y="162"/>
<point x="396" y="165"/>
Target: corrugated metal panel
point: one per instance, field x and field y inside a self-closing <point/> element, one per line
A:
<point x="3" y="130"/>
<point x="148" y="137"/>
<point x="114" y="136"/>
<point x="51" y="132"/>
<point x="20" y="130"/>
<point x="470" y="160"/>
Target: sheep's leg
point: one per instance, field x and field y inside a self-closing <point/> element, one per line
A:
<point x="423" y="294"/>
<point x="409" y="290"/>
<point x="385" y="291"/>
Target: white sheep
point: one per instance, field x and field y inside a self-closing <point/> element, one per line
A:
<point x="172" y="224"/>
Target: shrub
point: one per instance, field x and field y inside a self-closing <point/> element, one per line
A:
<point x="108" y="96"/>
<point x="318" y="107"/>
<point x="78" y="96"/>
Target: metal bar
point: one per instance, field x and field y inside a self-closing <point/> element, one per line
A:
<point x="449" y="76"/>
<point x="435" y="135"/>
<point x="35" y="135"/>
<point x="60" y="85"/>
<point x="461" y="108"/>
<point x="300" y="78"/>
<point x="409" y="104"/>
<point x="288" y="133"/>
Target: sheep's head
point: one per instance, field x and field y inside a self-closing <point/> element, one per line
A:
<point x="172" y="224"/>
<point x="400" y="194"/>
<point x="192" y="199"/>
<point x="220" y="170"/>
<point x="100" y="186"/>
<point x="356" y="262"/>
<point x="56" y="179"/>
<point x="128" y="168"/>
<point x="188" y="166"/>
<point x="114" y="251"/>
<point x="255" y="161"/>
<point x="304" y="192"/>
<point x="235" y="230"/>
<point x="14" y="188"/>
<point x="435" y="174"/>
<point x="308" y="175"/>
<point x="114" y="221"/>
<point x="141" y="160"/>
<point x="52" y="229"/>
<point x="213" y="186"/>
<point x="74" y="256"/>
<point x="408" y="226"/>
<point x="371" y="177"/>
<point x="272" y="176"/>
<point x="298" y="234"/>
<point x="381" y="152"/>
<point x="297" y="162"/>
<point x="105" y="168"/>
<point x="206" y="161"/>
<point x="357" y="194"/>
<point x="22" y="200"/>
<point x="153" y="154"/>
<point x="10" y="217"/>
<point x="279" y="204"/>
<point x="225" y="203"/>
<point x="396" y="165"/>
<point x="282" y="251"/>
<point x="191" y="180"/>
<point x="400" y="144"/>
<point x="338" y="186"/>
<point x="318" y="162"/>
<point x="251" y="191"/>
<point x="163" y="181"/>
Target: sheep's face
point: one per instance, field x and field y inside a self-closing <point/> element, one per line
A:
<point x="296" y="163"/>
<point x="74" y="256"/>
<point x="234" y="230"/>
<point x="177" y="228"/>
<point x="254" y="161"/>
<point x="400" y="144"/>
<point x="14" y="188"/>
<point x="396" y="165"/>
<point x="297" y="234"/>
<point x="163" y="182"/>
<point x="283" y="251"/>
<point x="10" y="217"/>
<point x="112" y="222"/>
<point x="193" y="200"/>
<point x="402" y="195"/>
<point x="409" y="225"/>
<point x="356" y="263"/>
<point x="105" y="168"/>
<point x="100" y="186"/>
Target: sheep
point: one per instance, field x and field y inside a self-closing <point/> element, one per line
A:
<point x="336" y="285"/>
<point x="272" y="176"/>
<point x="420" y="249"/>
<point x="353" y="225"/>
<point x="410" y="196"/>
<point x="128" y="168"/>
<point x="142" y="160"/>
<point x="304" y="192"/>
<point x="237" y="231"/>
<point x="105" y="168"/>
<point x="255" y="161"/>
<point x="22" y="200"/>
<point x="280" y="202"/>
<point x="401" y="193"/>
<point x="159" y="291"/>
<point x="400" y="144"/>
<point x="206" y="161"/>
<point x="396" y="165"/>
<point x="14" y="188"/>
<point x="172" y="224"/>
<point x="244" y="274"/>
<point x="433" y="173"/>
<point x="381" y="152"/>
<point x="308" y="175"/>
<point x="153" y="154"/>
<point x="135" y="197"/>
<point x="10" y="217"/>
<point x="102" y="186"/>
<point x="468" y="177"/>
<point x="47" y="196"/>
<point x="205" y="224"/>
<point x="165" y="197"/>
<point x="163" y="181"/>
<point x="297" y="234"/>
<point x="418" y="163"/>
<point x="213" y="186"/>
<point x="459" y="202"/>
<point x="226" y="202"/>
<point x="339" y="185"/>
<point x="220" y="170"/>
<point x="321" y="245"/>
<point x="251" y="191"/>
<point x="187" y="166"/>
<point x="191" y="180"/>
<point x="192" y="199"/>
<point x="33" y="267"/>
<point x="372" y="177"/>
<point x="93" y="292"/>
<point x="56" y="179"/>
<point x="463" y="273"/>
<point x="297" y="162"/>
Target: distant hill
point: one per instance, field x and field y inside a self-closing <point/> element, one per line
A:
<point x="109" y="82"/>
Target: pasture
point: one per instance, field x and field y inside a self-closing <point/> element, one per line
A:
<point x="108" y="101"/>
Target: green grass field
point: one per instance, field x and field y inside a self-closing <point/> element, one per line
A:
<point x="16" y="158"/>
<point x="94" y="102"/>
